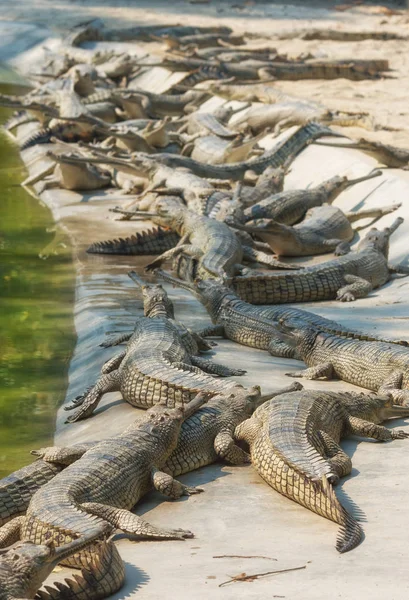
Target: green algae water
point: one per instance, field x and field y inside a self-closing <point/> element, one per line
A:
<point x="36" y="323"/>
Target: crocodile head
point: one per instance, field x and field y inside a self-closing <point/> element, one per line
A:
<point x="164" y="422"/>
<point x="334" y="186"/>
<point x="25" y="566"/>
<point x="155" y="298"/>
<point x="210" y="292"/>
<point x="374" y="409"/>
<point x="378" y="240"/>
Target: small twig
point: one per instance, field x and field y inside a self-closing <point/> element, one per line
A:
<point x="244" y="577"/>
<point x="239" y="556"/>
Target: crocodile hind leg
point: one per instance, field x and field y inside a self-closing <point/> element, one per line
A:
<point x="131" y="523"/>
<point x="340" y="462"/>
<point x="117" y="340"/>
<point x="227" y="449"/>
<point x="113" y="363"/>
<point x="10" y="532"/>
<point x="102" y="575"/>
<point x="280" y="348"/>
<point x="377" y="432"/>
<point x="188" y="249"/>
<point x="213" y="368"/>
<point x="324" y="370"/>
<point x="87" y="404"/>
<point x="170" y="487"/>
<point x="357" y="288"/>
<point x="213" y="331"/>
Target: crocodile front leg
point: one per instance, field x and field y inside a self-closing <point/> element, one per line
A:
<point x="10" y="532"/>
<point x="63" y="455"/>
<point x="357" y="288"/>
<point x="213" y="331"/>
<point x="324" y="370"/>
<point x="123" y="519"/>
<point x="213" y="368"/>
<point x="106" y="383"/>
<point x="377" y="432"/>
<point x="170" y="487"/>
<point x="227" y="449"/>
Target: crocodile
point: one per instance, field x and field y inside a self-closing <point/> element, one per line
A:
<point x="289" y="206"/>
<point x="294" y="446"/>
<point x="256" y="326"/>
<point x="345" y="278"/>
<point x="391" y="156"/>
<point x="355" y="70"/>
<point x="139" y="103"/>
<point x="147" y="33"/>
<point x="208" y="435"/>
<point x="377" y="366"/>
<point x="88" y="501"/>
<point x="161" y="362"/>
<point x="282" y="115"/>
<point x="213" y="150"/>
<point x="250" y="92"/>
<point x="339" y="35"/>
<point x="217" y="249"/>
<point x="74" y="122"/>
<point x="202" y="40"/>
<point x="324" y="229"/>
<point x="204" y="438"/>
<point x="236" y="171"/>
<point x="78" y="176"/>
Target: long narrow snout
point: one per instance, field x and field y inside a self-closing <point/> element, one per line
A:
<point x="194" y="405"/>
<point x="371" y="175"/>
<point x="294" y="387"/>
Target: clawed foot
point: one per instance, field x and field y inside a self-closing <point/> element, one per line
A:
<point x="180" y="534"/>
<point x="345" y="297"/>
<point x="294" y="374"/>
<point x="155" y="264"/>
<point x="237" y="372"/>
<point x="399" y="434"/>
<point x="190" y="490"/>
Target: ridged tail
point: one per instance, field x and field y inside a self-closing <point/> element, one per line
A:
<point x="43" y="136"/>
<point x="104" y="576"/>
<point x="150" y="242"/>
<point x="315" y="494"/>
<point x="350" y="533"/>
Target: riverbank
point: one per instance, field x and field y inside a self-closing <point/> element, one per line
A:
<point x="238" y="515"/>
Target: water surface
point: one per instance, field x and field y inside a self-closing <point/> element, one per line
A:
<point x="36" y="325"/>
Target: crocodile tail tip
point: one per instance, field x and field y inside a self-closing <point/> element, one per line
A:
<point x="350" y="533"/>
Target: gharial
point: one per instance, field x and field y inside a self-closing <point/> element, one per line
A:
<point x="294" y="446"/>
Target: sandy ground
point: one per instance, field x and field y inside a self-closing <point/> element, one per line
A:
<point x="384" y="99"/>
<point x="238" y="514"/>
